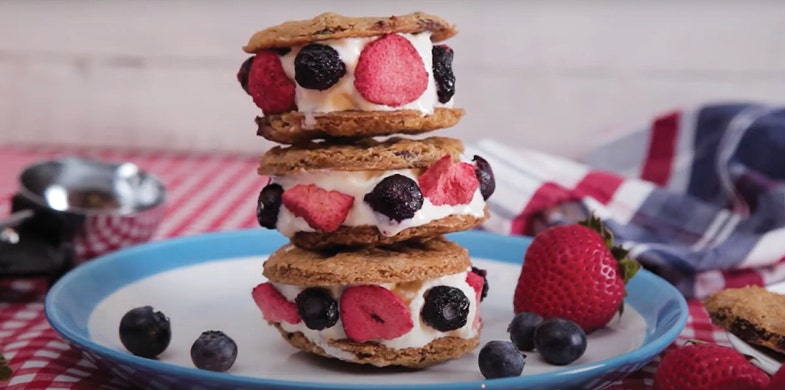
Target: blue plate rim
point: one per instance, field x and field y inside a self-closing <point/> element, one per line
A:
<point x="648" y="350"/>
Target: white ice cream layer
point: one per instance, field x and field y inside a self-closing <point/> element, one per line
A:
<point x="344" y="96"/>
<point x="359" y="183"/>
<point x="420" y="335"/>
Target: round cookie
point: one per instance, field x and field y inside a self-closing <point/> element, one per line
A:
<point x="754" y="314"/>
<point x="291" y="128"/>
<point x="338" y="76"/>
<point x="324" y="195"/>
<point x="400" y="283"/>
<point x="358" y="155"/>
<point x="401" y="262"/>
<point x="437" y="351"/>
<point x="334" y="26"/>
<point x="370" y="235"/>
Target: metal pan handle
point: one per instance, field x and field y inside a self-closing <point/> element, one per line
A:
<point x="16" y="218"/>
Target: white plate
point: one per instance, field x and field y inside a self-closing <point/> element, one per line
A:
<point x="205" y="283"/>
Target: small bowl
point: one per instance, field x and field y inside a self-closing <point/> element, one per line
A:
<point x="97" y="206"/>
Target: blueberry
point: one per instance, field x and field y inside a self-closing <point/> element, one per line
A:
<point x="485" y="175"/>
<point x="268" y="204"/>
<point x="397" y="197"/>
<point x="317" y="308"/>
<point x="145" y="332"/>
<point x="521" y="330"/>
<point x="242" y="74"/>
<point x="318" y="66"/>
<point x="559" y="341"/>
<point x="213" y="350"/>
<point x="500" y="359"/>
<point x="446" y="308"/>
<point x="485" y="285"/>
<point x="442" y="72"/>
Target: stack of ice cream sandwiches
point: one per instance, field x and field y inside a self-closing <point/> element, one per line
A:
<point x="368" y="276"/>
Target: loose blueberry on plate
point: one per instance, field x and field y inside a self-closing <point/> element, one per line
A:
<point x="317" y="308"/>
<point x="145" y="332"/>
<point x="521" y="329"/>
<point x="214" y="351"/>
<point x="559" y="341"/>
<point x="500" y="359"/>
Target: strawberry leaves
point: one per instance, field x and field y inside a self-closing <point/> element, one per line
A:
<point x="627" y="266"/>
<point x="5" y="369"/>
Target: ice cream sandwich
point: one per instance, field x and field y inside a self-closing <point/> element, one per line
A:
<point x="335" y="76"/>
<point x="414" y="303"/>
<point x="372" y="192"/>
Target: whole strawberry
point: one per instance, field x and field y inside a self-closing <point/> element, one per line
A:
<point x="777" y="380"/>
<point x="574" y="272"/>
<point x="707" y="366"/>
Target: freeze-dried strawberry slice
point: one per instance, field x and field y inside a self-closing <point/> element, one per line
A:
<point x="268" y="85"/>
<point x="323" y="210"/>
<point x="373" y="313"/>
<point x="390" y="72"/>
<point x="275" y="307"/>
<point x="448" y="182"/>
<point x="476" y="282"/>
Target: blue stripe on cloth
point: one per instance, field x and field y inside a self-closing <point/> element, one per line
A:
<point x="761" y="148"/>
<point x="768" y="215"/>
<point x="668" y="217"/>
<point x="671" y="267"/>
<point x="711" y="125"/>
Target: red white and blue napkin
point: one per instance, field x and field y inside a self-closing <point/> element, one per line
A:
<point x="698" y="196"/>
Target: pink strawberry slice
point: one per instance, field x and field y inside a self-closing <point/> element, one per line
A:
<point x="449" y="182"/>
<point x="476" y="282"/>
<point x="268" y="85"/>
<point x="275" y="307"/>
<point x="390" y="72"/>
<point x="374" y="312"/>
<point x="323" y="210"/>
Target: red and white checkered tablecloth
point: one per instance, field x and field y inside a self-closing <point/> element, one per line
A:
<point x="206" y="192"/>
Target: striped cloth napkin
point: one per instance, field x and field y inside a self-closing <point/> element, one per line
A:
<point x="698" y="196"/>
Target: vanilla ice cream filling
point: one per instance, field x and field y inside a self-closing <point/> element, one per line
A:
<point x="358" y="184"/>
<point x="344" y="96"/>
<point x="413" y="293"/>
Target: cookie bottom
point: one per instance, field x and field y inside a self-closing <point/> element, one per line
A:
<point x="752" y="313"/>
<point x="348" y="236"/>
<point x="437" y="351"/>
<point x="291" y="127"/>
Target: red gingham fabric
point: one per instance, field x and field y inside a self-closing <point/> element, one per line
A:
<point x="206" y="192"/>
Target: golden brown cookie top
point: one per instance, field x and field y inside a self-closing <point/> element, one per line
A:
<point x="753" y="305"/>
<point x="334" y="26"/>
<point x="408" y="261"/>
<point x="359" y="155"/>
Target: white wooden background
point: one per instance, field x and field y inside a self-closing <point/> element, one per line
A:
<point x="558" y="76"/>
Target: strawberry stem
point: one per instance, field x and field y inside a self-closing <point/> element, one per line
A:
<point x="5" y="369"/>
<point x="628" y="267"/>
